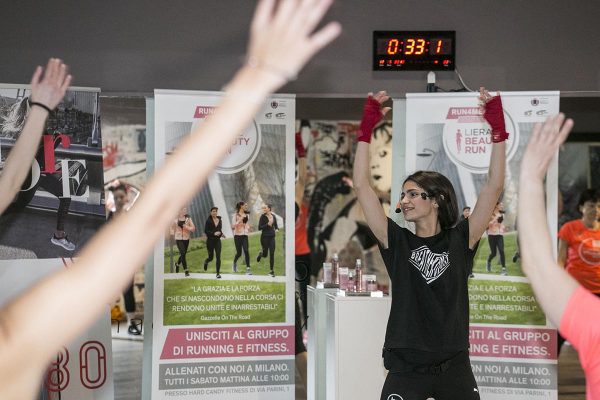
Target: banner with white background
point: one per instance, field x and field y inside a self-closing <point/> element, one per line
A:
<point x="228" y="333"/>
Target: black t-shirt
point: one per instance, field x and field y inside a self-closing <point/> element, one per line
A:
<point x="430" y="304"/>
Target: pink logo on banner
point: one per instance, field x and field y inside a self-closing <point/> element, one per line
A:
<point x="467" y="138"/>
<point x="512" y="342"/>
<point x="204" y="111"/>
<point x="474" y="113"/>
<point x="228" y="342"/>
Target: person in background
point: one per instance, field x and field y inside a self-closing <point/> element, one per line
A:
<point x="302" y="253"/>
<point x="213" y="228"/>
<point x="120" y="198"/>
<point x="302" y="249"/>
<point x="495" y="231"/>
<point x="267" y="224"/>
<point x="182" y="229"/>
<point x="241" y="228"/>
<point x="466" y="212"/>
<point x="579" y="245"/>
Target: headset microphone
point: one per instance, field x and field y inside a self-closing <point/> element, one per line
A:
<point x="398" y="209"/>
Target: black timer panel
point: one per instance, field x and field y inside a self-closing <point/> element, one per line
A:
<point x="410" y="51"/>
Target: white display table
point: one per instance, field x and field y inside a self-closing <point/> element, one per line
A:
<point x="317" y="324"/>
<point x="355" y="332"/>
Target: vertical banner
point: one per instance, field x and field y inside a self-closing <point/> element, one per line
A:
<point x="513" y="347"/>
<point x="58" y="209"/>
<point x="224" y="326"/>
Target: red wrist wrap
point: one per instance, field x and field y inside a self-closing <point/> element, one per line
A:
<point x="300" y="150"/>
<point x="494" y="115"/>
<point x="371" y="116"/>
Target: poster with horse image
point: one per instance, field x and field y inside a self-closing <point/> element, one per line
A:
<point x="224" y="282"/>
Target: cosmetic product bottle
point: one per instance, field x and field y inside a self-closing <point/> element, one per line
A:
<point x="335" y="265"/>
<point x="358" y="273"/>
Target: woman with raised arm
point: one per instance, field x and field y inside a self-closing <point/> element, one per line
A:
<point x="282" y="40"/>
<point x="569" y="305"/>
<point x="427" y="337"/>
<point x="48" y="87"/>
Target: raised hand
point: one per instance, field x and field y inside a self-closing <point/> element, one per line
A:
<point x="543" y="144"/>
<point x="373" y="112"/>
<point x="50" y="88"/>
<point x="282" y="36"/>
<point x="493" y="114"/>
<point x="300" y="150"/>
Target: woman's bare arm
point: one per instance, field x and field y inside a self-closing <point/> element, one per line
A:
<point x="551" y="284"/>
<point x="562" y="253"/>
<point x="282" y="40"/>
<point x="491" y="191"/>
<point x="361" y="176"/>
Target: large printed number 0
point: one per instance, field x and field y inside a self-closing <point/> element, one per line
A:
<point x="99" y="353"/>
<point x="90" y="353"/>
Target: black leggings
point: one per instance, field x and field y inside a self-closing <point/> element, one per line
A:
<point x="455" y="382"/>
<point x="303" y="278"/>
<point x="496" y="242"/>
<point x="241" y="243"/>
<point x="213" y="245"/>
<point x="300" y="347"/>
<point x="53" y="185"/>
<point x="268" y="246"/>
<point x="129" y="299"/>
<point x="182" y="246"/>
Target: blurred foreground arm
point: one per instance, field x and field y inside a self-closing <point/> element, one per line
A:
<point x="568" y="305"/>
<point x="282" y="40"/>
<point x="552" y="285"/>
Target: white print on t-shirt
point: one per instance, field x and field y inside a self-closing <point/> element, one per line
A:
<point x="431" y="265"/>
<point x="394" y="397"/>
<point x="589" y="251"/>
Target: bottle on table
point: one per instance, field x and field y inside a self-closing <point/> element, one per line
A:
<point x="358" y="276"/>
<point x="335" y="264"/>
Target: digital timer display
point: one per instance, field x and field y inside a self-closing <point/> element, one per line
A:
<point x="410" y="50"/>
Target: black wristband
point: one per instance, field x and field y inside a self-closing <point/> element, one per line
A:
<point x="35" y="103"/>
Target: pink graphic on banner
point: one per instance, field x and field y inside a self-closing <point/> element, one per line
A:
<point x="512" y="342"/>
<point x="204" y="111"/>
<point x="458" y="140"/>
<point x="458" y="112"/>
<point x="228" y="342"/>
